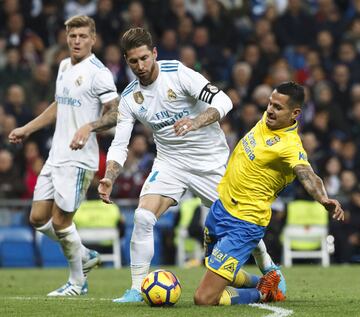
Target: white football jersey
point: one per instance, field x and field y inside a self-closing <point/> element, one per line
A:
<point x="81" y="89"/>
<point x="177" y="92"/>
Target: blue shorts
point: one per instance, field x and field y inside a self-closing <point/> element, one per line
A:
<point x="229" y="241"/>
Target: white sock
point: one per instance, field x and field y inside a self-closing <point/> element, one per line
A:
<point x="71" y="245"/>
<point x="141" y="246"/>
<point x="262" y="258"/>
<point x="48" y="230"/>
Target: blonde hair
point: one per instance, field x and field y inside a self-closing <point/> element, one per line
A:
<point x="79" y="21"/>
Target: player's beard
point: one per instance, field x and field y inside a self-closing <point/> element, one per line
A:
<point x="151" y="75"/>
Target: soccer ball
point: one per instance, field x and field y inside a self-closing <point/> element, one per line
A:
<point x="161" y="288"/>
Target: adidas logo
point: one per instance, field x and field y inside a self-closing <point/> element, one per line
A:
<point x="142" y="109"/>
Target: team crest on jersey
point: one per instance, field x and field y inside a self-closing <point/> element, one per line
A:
<point x="138" y="97"/>
<point x="273" y="140"/>
<point x="79" y="81"/>
<point x="171" y="94"/>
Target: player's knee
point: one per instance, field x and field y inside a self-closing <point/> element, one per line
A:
<point x="37" y="220"/>
<point x="203" y="299"/>
<point x="144" y="219"/>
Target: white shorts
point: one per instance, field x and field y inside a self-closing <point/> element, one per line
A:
<point x="67" y="185"/>
<point x="172" y="182"/>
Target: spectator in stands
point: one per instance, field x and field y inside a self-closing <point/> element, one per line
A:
<point x="341" y="231"/>
<point x="114" y="61"/>
<point x="11" y="185"/>
<point x="168" y="46"/>
<point x="355" y="122"/>
<point x="185" y="31"/>
<point x="15" y="104"/>
<point x="260" y="96"/>
<point x="241" y="80"/>
<point x="354" y="224"/>
<point x="341" y="79"/>
<point x="33" y="163"/>
<point x="323" y="99"/>
<point x="210" y="57"/>
<point x="325" y="45"/>
<point x="135" y="16"/>
<point x="347" y="55"/>
<point x="296" y="26"/>
<point x="79" y="7"/>
<point x="188" y="58"/>
<point x="49" y="22"/>
<point x="136" y="169"/>
<point x="220" y="26"/>
<point x="14" y="71"/>
<point x="108" y="20"/>
<point x="331" y="171"/>
<point x="40" y="87"/>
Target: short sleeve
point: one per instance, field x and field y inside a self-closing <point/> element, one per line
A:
<point x="191" y="81"/>
<point x="103" y="86"/>
<point x="294" y="155"/>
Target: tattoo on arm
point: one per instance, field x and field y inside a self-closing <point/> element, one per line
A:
<point x="113" y="170"/>
<point x="311" y="182"/>
<point x="109" y="117"/>
<point x="205" y="118"/>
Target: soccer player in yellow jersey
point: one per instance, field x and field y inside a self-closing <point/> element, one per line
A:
<point x="266" y="159"/>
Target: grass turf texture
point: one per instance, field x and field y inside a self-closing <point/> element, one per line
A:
<point x="312" y="291"/>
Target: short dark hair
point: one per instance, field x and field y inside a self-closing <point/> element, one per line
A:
<point x="295" y="91"/>
<point x="134" y="38"/>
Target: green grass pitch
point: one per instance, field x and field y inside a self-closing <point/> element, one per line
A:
<point x="312" y="291"/>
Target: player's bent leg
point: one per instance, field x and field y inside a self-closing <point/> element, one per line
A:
<point x="40" y="215"/>
<point x="210" y="289"/>
<point x="215" y="290"/>
<point x="244" y="279"/>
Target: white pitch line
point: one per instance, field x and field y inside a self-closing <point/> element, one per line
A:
<point x="25" y="298"/>
<point x="278" y="311"/>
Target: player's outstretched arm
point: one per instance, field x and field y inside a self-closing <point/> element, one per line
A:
<point x="315" y="187"/>
<point x="113" y="170"/>
<point x="105" y="122"/>
<point x="47" y="117"/>
<point x="205" y="118"/>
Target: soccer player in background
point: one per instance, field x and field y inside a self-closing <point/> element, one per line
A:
<point x="84" y="88"/>
<point x="265" y="160"/>
<point x="182" y="109"/>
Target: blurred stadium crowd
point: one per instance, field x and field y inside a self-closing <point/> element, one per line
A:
<point x="245" y="47"/>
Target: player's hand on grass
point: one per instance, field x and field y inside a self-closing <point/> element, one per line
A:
<point x="80" y="137"/>
<point x="18" y="135"/>
<point x="333" y="206"/>
<point x="183" y="126"/>
<point x="104" y="190"/>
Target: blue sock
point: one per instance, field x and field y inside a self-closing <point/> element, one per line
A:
<point x="236" y="296"/>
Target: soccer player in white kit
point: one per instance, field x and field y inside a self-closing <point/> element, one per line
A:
<point x="182" y="109"/>
<point x="84" y="89"/>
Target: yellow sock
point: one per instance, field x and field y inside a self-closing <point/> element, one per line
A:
<point x="225" y="299"/>
<point x="244" y="279"/>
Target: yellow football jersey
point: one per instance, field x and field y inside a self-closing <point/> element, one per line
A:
<point x="259" y="168"/>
